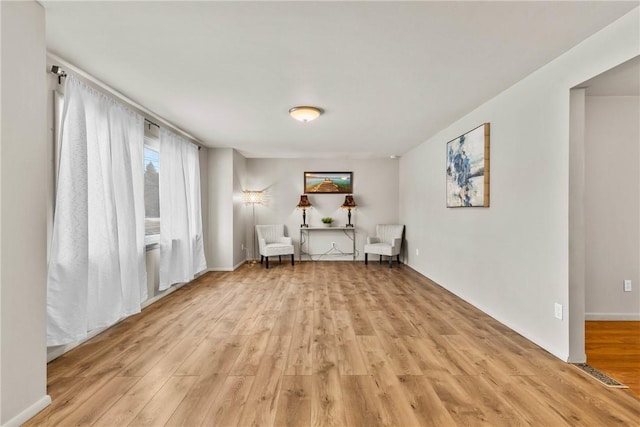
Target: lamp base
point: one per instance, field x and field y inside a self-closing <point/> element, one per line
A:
<point x="349" y="218"/>
<point x="349" y="225"/>
<point x="304" y="225"/>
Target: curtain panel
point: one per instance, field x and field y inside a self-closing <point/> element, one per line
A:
<point x="97" y="269"/>
<point x="181" y="240"/>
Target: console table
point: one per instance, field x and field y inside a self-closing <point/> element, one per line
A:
<point x="307" y="232"/>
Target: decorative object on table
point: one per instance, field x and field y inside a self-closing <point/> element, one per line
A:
<point x="253" y="197"/>
<point x="305" y="113"/>
<point x="468" y="169"/>
<point x="386" y="242"/>
<point x="349" y="204"/>
<point x="273" y="242"/>
<point x="304" y="204"/>
<point x="328" y="182"/>
<point x="326" y="221"/>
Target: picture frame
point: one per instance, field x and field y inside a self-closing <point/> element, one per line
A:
<point x="328" y="182"/>
<point x="467" y="172"/>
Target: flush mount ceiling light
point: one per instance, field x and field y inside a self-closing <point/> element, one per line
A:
<point x="305" y="113"/>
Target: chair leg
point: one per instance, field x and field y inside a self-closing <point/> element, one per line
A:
<point x="398" y="259"/>
<point x="280" y="259"/>
<point x="390" y="262"/>
<point x="366" y="258"/>
<point x="380" y="259"/>
<point x="261" y="258"/>
<point x="267" y="263"/>
<point x="291" y="259"/>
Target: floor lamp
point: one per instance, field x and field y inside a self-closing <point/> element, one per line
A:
<point x="254" y="198"/>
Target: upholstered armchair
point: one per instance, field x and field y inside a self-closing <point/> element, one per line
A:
<point x="272" y="242"/>
<point x="386" y="242"/>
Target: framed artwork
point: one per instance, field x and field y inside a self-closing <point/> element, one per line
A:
<point x="328" y="182"/>
<point x="468" y="169"/>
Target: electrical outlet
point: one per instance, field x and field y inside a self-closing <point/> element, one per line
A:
<point x="333" y="244"/>
<point x="627" y="285"/>
<point x="558" y="311"/>
<point x="417" y="252"/>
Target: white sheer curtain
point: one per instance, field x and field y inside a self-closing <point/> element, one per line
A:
<point x="97" y="262"/>
<point x="181" y="245"/>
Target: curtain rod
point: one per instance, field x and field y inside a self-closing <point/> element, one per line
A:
<point x="148" y="115"/>
<point x="60" y="73"/>
<point x="151" y="123"/>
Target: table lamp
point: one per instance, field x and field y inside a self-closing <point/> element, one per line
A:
<point x="349" y="204"/>
<point x="304" y="205"/>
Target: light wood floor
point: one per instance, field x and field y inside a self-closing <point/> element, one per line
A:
<point x="323" y="344"/>
<point x="614" y="349"/>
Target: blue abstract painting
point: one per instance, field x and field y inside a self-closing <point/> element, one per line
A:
<point x="468" y="169"/>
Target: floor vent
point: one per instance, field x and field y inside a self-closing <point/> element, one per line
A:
<point x="599" y="376"/>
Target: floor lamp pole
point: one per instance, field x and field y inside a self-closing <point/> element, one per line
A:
<point x="253" y="197"/>
<point x="255" y="239"/>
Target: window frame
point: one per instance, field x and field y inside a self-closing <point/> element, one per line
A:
<point x="152" y="142"/>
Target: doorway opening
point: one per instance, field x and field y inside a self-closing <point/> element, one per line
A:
<point x="604" y="225"/>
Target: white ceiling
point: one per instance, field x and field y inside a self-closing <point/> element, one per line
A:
<point x="388" y="74"/>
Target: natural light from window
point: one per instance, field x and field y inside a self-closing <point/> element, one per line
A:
<point x="151" y="193"/>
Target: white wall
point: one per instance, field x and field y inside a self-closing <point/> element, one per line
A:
<point x="576" y="226"/>
<point x="511" y="260"/>
<point x="239" y="212"/>
<point x="612" y="207"/>
<point x="226" y="171"/>
<point x="375" y="190"/>
<point x="203" y="155"/>
<point x="219" y="249"/>
<point x="24" y="175"/>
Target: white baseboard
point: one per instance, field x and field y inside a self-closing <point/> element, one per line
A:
<point x="56" y="351"/>
<point x="612" y="316"/>
<point x="163" y="294"/>
<point x="235" y="267"/>
<point x="581" y="359"/>
<point x="557" y="352"/>
<point x="29" y="413"/>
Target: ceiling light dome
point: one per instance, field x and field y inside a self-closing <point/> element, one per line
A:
<point x="305" y="113"/>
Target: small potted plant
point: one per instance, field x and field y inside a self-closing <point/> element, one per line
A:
<point x="326" y="221"/>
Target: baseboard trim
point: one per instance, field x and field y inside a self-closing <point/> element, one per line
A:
<point x="163" y="294"/>
<point x="29" y="413"/>
<point x="612" y="316"/>
<point x="56" y="351"/>
<point x="581" y="359"/>
<point x="234" y="268"/>
<point x="559" y="353"/>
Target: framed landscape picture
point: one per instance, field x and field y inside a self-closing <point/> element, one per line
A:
<point x="328" y="182"/>
<point x="468" y="169"/>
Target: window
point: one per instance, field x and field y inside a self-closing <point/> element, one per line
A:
<point x="151" y="191"/>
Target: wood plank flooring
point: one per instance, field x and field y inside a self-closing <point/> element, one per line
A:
<point x="614" y="349"/>
<point x="321" y="344"/>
